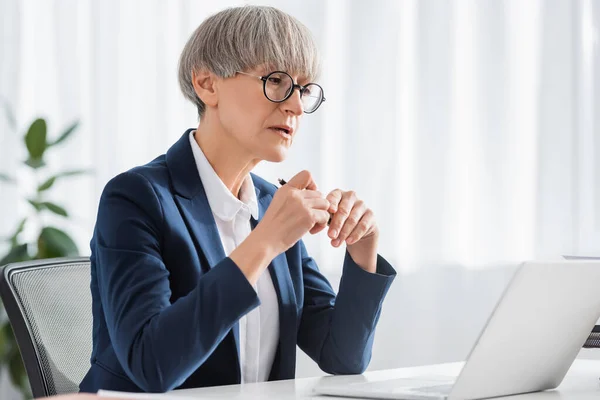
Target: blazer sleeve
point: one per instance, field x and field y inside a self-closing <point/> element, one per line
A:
<point x="337" y="331"/>
<point x="158" y="344"/>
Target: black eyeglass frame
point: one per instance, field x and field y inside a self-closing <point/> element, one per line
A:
<point x="300" y="88"/>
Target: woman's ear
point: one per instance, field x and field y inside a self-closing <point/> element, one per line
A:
<point x="205" y="86"/>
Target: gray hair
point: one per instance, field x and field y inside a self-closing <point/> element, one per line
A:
<point x="242" y="38"/>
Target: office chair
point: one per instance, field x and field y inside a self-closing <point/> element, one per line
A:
<point x="49" y="305"/>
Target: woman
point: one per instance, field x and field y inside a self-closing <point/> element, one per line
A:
<point x="181" y="293"/>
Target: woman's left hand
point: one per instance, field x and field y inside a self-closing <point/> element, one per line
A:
<point x="353" y="222"/>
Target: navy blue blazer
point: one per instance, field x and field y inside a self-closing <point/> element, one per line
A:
<point x="166" y="300"/>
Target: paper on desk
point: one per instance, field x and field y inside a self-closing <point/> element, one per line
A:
<point x="142" y="396"/>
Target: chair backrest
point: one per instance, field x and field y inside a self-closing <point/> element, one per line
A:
<point x="49" y="305"/>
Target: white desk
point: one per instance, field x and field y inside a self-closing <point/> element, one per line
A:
<point x="581" y="383"/>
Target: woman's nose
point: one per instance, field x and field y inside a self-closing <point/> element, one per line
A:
<point x="294" y="103"/>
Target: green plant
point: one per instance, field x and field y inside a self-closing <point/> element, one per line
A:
<point x="48" y="242"/>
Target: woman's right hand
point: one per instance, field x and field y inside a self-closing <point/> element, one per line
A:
<point x="297" y="208"/>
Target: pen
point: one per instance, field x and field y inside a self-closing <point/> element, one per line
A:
<point x="283" y="182"/>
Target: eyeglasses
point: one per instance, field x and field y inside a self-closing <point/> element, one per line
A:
<point x="278" y="86"/>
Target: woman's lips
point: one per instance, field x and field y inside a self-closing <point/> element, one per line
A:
<point x="281" y="132"/>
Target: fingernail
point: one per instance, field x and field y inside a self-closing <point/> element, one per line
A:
<point x="350" y="240"/>
<point x="336" y="242"/>
<point x="333" y="234"/>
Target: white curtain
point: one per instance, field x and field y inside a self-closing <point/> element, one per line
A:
<point x="471" y="128"/>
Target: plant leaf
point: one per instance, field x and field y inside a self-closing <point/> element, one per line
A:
<point x="35" y="139"/>
<point x="14" y="237"/>
<point x="35" y="164"/>
<point x="8" y="333"/>
<point x="3" y="346"/>
<point x="6" y="178"/>
<point x="14" y="362"/>
<point x="56" y="209"/>
<point x="46" y="185"/>
<point x="8" y="342"/>
<point x="65" y="134"/>
<point x="72" y="173"/>
<point x="16" y="254"/>
<point x="36" y="204"/>
<point x="53" y="242"/>
<point x="18" y="376"/>
<point x="46" y="205"/>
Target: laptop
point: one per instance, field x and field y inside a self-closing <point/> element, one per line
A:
<point x="528" y="343"/>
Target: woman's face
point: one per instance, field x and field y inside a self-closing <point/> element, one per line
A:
<point x="256" y="123"/>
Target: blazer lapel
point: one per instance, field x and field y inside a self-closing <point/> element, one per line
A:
<point x="192" y="201"/>
<point x="202" y="224"/>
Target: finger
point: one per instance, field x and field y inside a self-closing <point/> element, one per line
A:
<point x="320" y="217"/>
<point x="362" y="228"/>
<point x="342" y="212"/>
<point x="334" y="198"/>
<point x="303" y="180"/>
<point x="318" y="203"/>
<point x="351" y="221"/>
<point x="311" y="194"/>
<point x="317" y="228"/>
